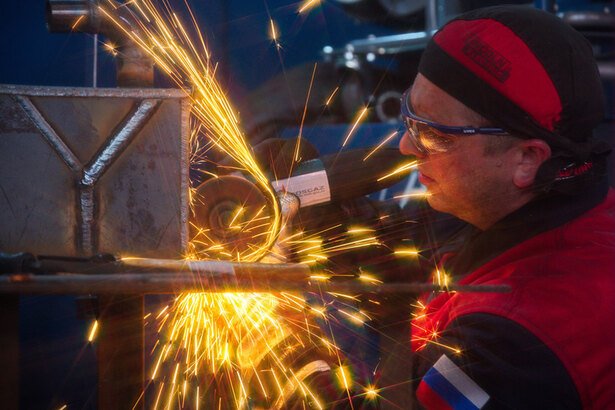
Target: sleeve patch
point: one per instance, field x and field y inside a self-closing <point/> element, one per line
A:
<point x="446" y="386"/>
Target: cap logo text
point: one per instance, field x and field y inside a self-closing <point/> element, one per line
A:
<point x="573" y="170"/>
<point x="486" y="57"/>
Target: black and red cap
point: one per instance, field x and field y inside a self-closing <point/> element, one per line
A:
<point x="526" y="71"/>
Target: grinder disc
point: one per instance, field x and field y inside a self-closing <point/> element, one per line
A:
<point x="229" y="217"/>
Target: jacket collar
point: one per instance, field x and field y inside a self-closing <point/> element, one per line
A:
<point x="540" y="215"/>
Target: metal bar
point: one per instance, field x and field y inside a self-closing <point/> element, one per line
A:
<point x="120" y="352"/>
<point x="160" y="283"/>
<point x="10" y="89"/>
<point x="431" y="15"/>
<point x="390" y="44"/>
<point x="9" y="354"/>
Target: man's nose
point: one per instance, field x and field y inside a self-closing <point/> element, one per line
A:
<point x="408" y="147"/>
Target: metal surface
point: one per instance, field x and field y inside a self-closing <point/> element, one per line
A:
<point x="84" y="171"/>
<point x="120" y="352"/>
<point x="247" y="279"/>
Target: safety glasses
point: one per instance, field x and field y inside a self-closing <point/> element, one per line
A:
<point x="432" y="138"/>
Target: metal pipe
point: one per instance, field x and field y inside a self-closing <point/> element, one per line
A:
<point x="250" y="279"/>
<point x="591" y="20"/>
<point x="607" y="70"/>
<point x="134" y="67"/>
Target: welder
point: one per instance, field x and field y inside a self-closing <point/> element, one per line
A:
<point x="501" y="118"/>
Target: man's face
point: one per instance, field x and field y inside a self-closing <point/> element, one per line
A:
<point x="463" y="181"/>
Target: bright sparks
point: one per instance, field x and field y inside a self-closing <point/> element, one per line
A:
<point x="384" y="141"/>
<point x="331" y="96"/>
<point x="406" y="252"/>
<point x="308" y="5"/>
<point x="307" y="99"/>
<point x="230" y="346"/>
<point x="93" y="330"/>
<point x="402" y="168"/>
<point x="165" y="39"/>
<point x="357" y="121"/>
<point x="274" y="33"/>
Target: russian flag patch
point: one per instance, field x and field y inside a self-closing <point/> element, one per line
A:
<point x="446" y="386"/>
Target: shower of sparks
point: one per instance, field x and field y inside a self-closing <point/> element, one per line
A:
<point x="233" y="348"/>
<point x="358" y="120"/>
<point x="93" y="330"/>
<point x="216" y="346"/>
<point x="166" y="41"/>
<point x="232" y="345"/>
<point x="384" y="141"/>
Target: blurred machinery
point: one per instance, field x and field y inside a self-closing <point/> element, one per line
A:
<point x="373" y="71"/>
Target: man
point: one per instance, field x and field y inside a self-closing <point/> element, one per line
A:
<point x="500" y="118"/>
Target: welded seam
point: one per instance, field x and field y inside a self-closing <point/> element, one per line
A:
<point x="133" y="123"/>
<point x="52" y="137"/>
<point x="184" y="205"/>
<point x="107" y="154"/>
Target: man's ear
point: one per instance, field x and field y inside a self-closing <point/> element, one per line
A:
<point x="532" y="153"/>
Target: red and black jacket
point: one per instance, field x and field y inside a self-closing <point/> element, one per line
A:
<point x="550" y="342"/>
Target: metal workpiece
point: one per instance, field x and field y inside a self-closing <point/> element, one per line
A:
<point x="137" y="93"/>
<point x="84" y="171"/>
<point x="57" y="275"/>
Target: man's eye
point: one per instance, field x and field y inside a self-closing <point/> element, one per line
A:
<point x="433" y="140"/>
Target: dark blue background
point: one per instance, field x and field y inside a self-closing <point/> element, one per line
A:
<point x="237" y="32"/>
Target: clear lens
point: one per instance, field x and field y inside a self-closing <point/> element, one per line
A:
<point x="434" y="141"/>
<point x="427" y="139"/>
